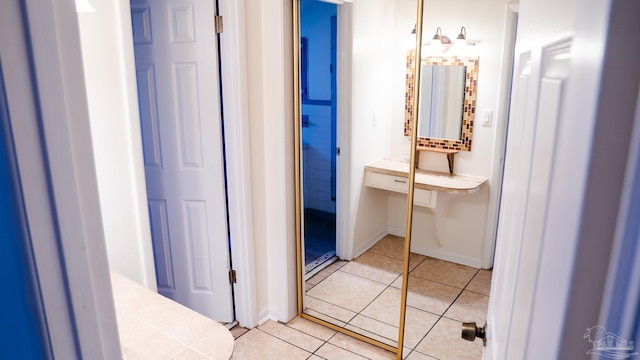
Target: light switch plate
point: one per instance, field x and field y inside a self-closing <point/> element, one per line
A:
<point x="487" y="117"/>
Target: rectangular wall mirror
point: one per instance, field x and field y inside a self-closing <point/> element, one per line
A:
<point x="349" y="71"/>
<point x="448" y="86"/>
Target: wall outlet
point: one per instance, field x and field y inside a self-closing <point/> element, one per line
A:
<point x="487" y="117"/>
<point x="374" y="119"/>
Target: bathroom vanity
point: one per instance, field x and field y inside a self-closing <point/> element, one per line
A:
<point x="435" y="193"/>
<point x="391" y="173"/>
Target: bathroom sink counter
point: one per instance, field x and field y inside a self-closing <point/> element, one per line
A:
<point x="152" y="326"/>
<point x="428" y="180"/>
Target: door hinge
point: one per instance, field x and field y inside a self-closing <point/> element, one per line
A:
<point x="232" y="276"/>
<point x="218" y="24"/>
<point x="338" y="151"/>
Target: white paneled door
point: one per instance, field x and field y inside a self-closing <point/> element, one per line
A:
<point x="178" y="90"/>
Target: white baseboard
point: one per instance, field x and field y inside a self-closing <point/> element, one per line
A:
<point x="396" y="230"/>
<point x="265" y="315"/>
<point x="437" y="252"/>
<point x="442" y="254"/>
<point x="366" y="246"/>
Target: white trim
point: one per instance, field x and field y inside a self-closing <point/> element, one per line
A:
<point x="277" y="90"/>
<point x="344" y="224"/>
<point x="499" y="145"/>
<point x="61" y="196"/>
<point x="233" y="57"/>
<point x="436" y="252"/>
<point x="32" y="168"/>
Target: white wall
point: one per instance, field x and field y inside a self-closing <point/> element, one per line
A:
<point x="372" y="116"/>
<point x="107" y="51"/>
<point x="462" y="228"/>
<point x="270" y="69"/>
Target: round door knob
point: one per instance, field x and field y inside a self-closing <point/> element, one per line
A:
<point x="470" y="331"/>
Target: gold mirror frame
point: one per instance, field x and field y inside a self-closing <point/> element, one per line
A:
<point x="298" y="188"/>
<point x="469" y="110"/>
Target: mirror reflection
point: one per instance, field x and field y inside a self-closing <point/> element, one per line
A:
<point x="441" y="101"/>
<point x="359" y="98"/>
<point x="447" y="106"/>
<point x="351" y="263"/>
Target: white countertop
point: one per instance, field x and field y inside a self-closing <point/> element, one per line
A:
<point x="430" y="180"/>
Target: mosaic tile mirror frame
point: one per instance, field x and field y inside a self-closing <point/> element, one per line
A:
<point x="468" y="113"/>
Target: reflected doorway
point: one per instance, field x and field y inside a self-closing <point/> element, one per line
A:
<point x="318" y="33"/>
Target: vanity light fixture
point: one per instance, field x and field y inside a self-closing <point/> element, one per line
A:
<point x="443" y="39"/>
<point x="462" y="37"/>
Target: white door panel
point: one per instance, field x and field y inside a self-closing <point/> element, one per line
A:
<point x="178" y="85"/>
<point x="510" y="213"/>
<point x="536" y="111"/>
<point x="555" y="69"/>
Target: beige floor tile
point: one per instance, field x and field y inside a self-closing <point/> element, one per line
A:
<point x="258" y="345"/>
<point x="418" y="356"/>
<point x="429" y="295"/>
<point x="340" y="263"/>
<point x="313" y="305"/>
<point x="375" y="329"/>
<point x="334" y="267"/>
<point x="189" y="354"/>
<point x="469" y="306"/>
<point x="481" y="283"/>
<point x="386" y="307"/>
<point x="379" y="268"/>
<point x="332" y="352"/>
<point x="393" y="246"/>
<point x="314" y="357"/>
<point x="444" y="272"/>
<point x="325" y="317"/>
<point x="308" y="286"/>
<point x="361" y="348"/>
<point x="347" y="291"/>
<point x="215" y="344"/>
<point x="315" y="279"/>
<point x="328" y="271"/>
<point x="417" y="325"/>
<point x="291" y="335"/>
<point x="238" y="331"/>
<point x="444" y="342"/>
<point x="311" y="328"/>
<point x="157" y="346"/>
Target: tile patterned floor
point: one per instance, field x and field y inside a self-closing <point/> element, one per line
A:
<point x="441" y="296"/>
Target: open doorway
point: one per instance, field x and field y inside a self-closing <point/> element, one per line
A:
<point x="318" y="33"/>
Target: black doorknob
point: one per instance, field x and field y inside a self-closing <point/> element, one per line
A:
<point x="470" y="331"/>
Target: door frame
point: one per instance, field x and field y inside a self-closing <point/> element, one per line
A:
<point x="344" y="223"/>
<point x="57" y="174"/>
<point x="233" y="62"/>
<point x="500" y="145"/>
